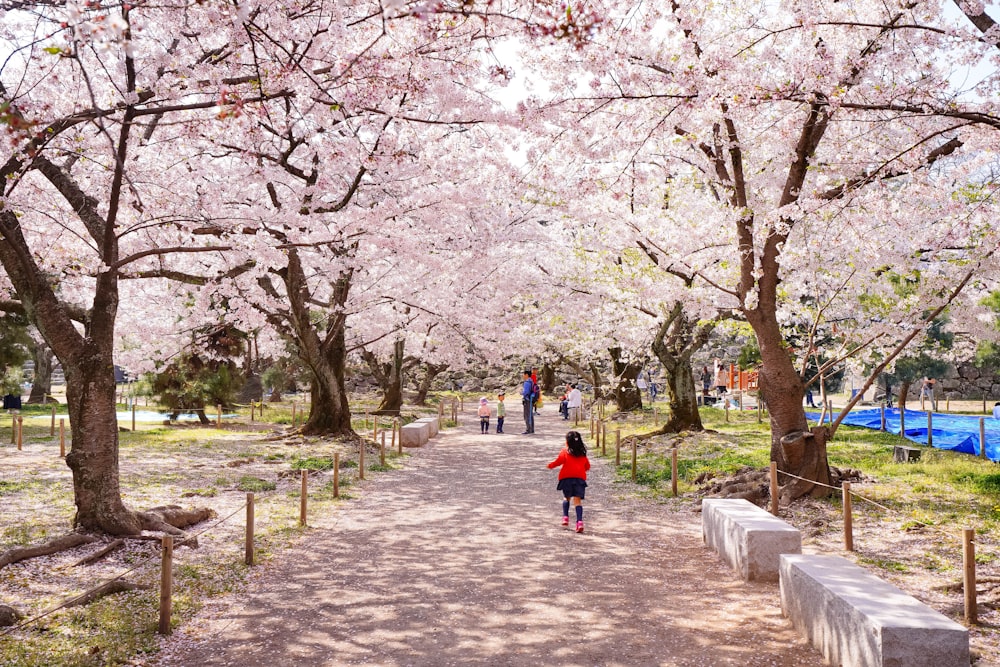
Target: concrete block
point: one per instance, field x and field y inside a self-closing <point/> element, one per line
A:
<point x="859" y="620"/>
<point x="432" y="421"/>
<point x="749" y="539"/>
<point x="415" y="434"/>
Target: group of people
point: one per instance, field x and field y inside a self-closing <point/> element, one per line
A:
<point x="570" y="403"/>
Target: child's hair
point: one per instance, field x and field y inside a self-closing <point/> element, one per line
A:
<point x="574" y="443"/>
<point x="483" y="400"/>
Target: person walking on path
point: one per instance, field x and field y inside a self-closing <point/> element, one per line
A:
<point x="572" y="476"/>
<point x="528" y="402"/>
<point x="574" y="401"/>
<point x="501" y="412"/>
<point x="927" y="391"/>
<point x="484" y="416"/>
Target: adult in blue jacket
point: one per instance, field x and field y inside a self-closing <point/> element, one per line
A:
<point x="527" y="401"/>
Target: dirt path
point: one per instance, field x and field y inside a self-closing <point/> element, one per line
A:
<point x="460" y="560"/>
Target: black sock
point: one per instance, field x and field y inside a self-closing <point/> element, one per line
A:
<point x="579" y="512"/>
<point x="566" y="508"/>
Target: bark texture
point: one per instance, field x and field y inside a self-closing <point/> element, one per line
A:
<point x="431" y="371"/>
<point x="41" y="384"/>
<point x="677" y="339"/>
<point x="628" y="396"/>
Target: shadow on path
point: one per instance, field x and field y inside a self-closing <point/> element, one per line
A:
<point x="460" y="560"/>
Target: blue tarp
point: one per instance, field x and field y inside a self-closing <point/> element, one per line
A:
<point x="959" y="433"/>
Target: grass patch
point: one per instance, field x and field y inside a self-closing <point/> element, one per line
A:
<point x="314" y="463"/>
<point x="252" y="484"/>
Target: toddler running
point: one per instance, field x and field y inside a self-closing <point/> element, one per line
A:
<point x="484" y="416"/>
<point x="572" y="476"/>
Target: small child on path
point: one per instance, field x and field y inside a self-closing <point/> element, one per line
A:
<point x="484" y="416"/>
<point x="572" y="476"/>
<point x="501" y="412"/>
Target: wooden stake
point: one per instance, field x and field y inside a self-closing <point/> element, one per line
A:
<point x="881" y="411"/>
<point x="361" y="460"/>
<point x="635" y="449"/>
<point x="166" y="583"/>
<point x="336" y="474"/>
<point x="603" y="435"/>
<point x="52" y="428"/>
<point x="20" y="432"/>
<point x="618" y="446"/>
<point x="656" y="417"/>
<point x="984" y="403"/>
<point x="930" y="427"/>
<point x="774" y="488"/>
<point x="947" y="403"/>
<point x="969" y="575"/>
<point x="902" y="423"/>
<point x="133" y="417"/>
<point x="725" y="405"/>
<point x="293" y="414"/>
<point x="304" y="498"/>
<point x="461" y="404"/>
<point x="248" y="551"/>
<point x="381" y="450"/>
<point x="218" y="416"/>
<point x="62" y="438"/>
<point x="395" y="427"/>
<point x="848" y="519"/>
<point x="673" y="471"/>
<point x="375" y="427"/>
<point x="253" y="407"/>
<point x="982" y="437"/>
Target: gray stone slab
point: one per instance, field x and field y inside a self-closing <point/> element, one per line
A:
<point x="433" y="421"/>
<point x="415" y="434"/>
<point x="859" y="620"/>
<point x="749" y="539"/>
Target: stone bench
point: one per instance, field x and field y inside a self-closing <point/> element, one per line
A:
<point x="748" y="539"/>
<point x="415" y="434"/>
<point x="903" y="454"/>
<point x="858" y="620"/>
<point x="432" y="422"/>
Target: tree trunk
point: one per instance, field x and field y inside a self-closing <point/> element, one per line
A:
<point x="795" y="448"/>
<point x="677" y="340"/>
<point x="326" y="355"/>
<point x="41" y="384"/>
<point x="627" y="395"/>
<point x="392" y="400"/>
<point x="431" y="371"/>
<point x="904" y="389"/>
<point x="93" y="458"/>
<point x="547" y="378"/>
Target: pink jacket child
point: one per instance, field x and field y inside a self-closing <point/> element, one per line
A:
<point x="484" y="415"/>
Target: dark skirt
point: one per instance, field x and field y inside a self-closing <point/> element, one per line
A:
<point x="572" y="487"/>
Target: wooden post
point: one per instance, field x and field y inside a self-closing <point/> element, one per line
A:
<point x="361" y="460"/>
<point x="52" y="428"/>
<point x="760" y="417"/>
<point x="367" y="417"/>
<point x="969" y="575"/>
<point x="618" y="446"/>
<point x="13" y="429"/>
<point x="774" y="488"/>
<point x="133" y="417"/>
<point x="673" y="471"/>
<point x="336" y="474"/>
<point x="656" y="417"/>
<point x="947" y="403"/>
<point x="635" y="450"/>
<point x="902" y="423"/>
<point x="293" y="414"/>
<point x="304" y="498"/>
<point x="395" y="427"/>
<point x="253" y="407"/>
<point x="381" y="450"/>
<point x="218" y="415"/>
<point x="166" y="583"/>
<point x="725" y="406"/>
<point x="248" y="551"/>
<point x="62" y="438"/>
<point x="740" y="399"/>
<point x="984" y="403"/>
<point x="461" y="404"/>
<point x="603" y="435"/>
<point x="20" y="432"/>
<point x="881" y="410"/>
<point x="848" y="519"/>
<point x="930" y="426"/>
<point x="982" y="437"/>
<point x="375" y="428"/>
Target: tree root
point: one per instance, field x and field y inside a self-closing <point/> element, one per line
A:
<point x="108" y="588"/>
<point x="51" y="547"/>
<point x="9" y="616"/>
<point x="754" y="484"/>
<point x="171" y="519"/>
<point x="100" y="553"/>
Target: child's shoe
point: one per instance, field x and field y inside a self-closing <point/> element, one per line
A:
<point x="579" y="526"/>
<point x="565" y="521"/>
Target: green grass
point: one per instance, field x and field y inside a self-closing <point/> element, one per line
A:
<point x="253" y="484"/>
<point x="313" y="463"/>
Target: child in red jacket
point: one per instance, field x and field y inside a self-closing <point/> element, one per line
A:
<point x="572" y="476"/>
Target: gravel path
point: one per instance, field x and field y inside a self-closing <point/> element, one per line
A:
<point x="459" y="559"/>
